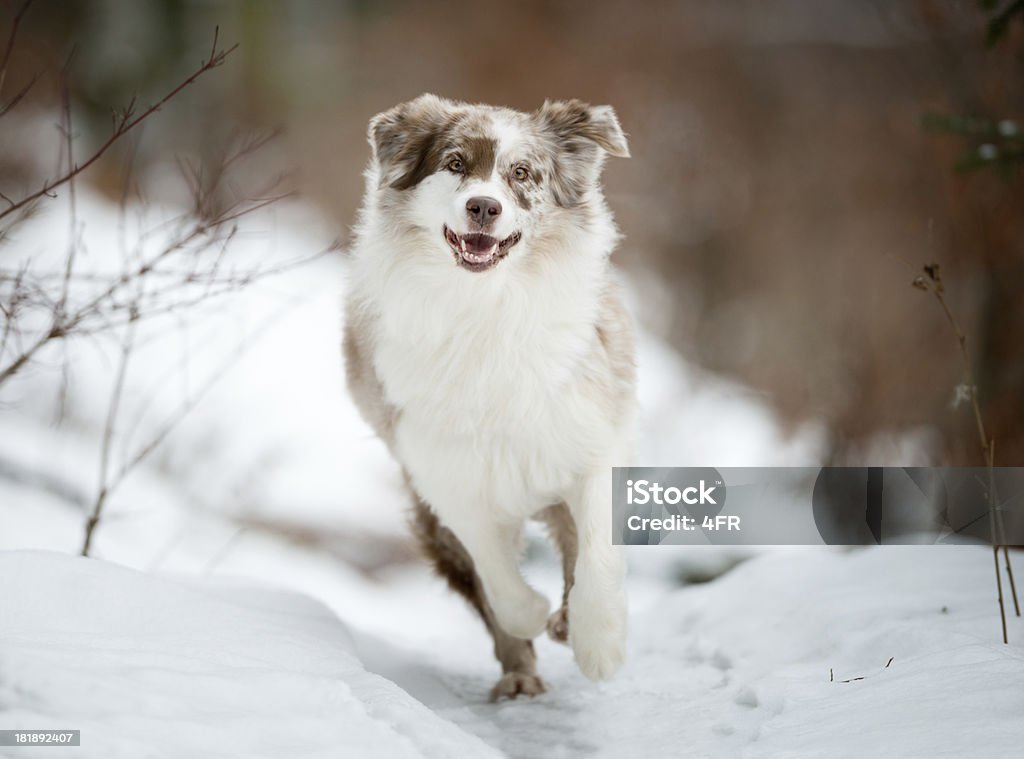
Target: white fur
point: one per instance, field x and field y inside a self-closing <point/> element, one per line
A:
<point x="494" y="419"/>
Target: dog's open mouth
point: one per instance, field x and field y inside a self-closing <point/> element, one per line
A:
<point x="479" y="252"/>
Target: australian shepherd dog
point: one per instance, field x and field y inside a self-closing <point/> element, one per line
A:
<point x="486" y="343"/>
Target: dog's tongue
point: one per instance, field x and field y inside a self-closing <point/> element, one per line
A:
<point x="479" y="244"/>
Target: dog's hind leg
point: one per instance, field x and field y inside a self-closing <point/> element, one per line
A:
<point x="454" y="564"/>
<point x="562" y="529"/>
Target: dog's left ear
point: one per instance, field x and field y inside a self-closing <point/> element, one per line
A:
<point x="571" y="120"/>
<point x="581" y="136"/>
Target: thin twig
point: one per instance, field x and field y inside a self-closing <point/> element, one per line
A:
<point x="19" y="96"/>
<point x="992" y="509"/>
<point x="1002" y="532"/>
<point x="999" y="589"/>
<point x="10" y="42"/>
<point x="108" y="437"/>
<point x="72" y="195"/>
<point x="1009" y="573"/>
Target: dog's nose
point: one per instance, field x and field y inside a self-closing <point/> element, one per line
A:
<point x="483" y="210"/>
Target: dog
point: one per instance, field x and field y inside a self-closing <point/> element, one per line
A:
<point x="488" y="346"/>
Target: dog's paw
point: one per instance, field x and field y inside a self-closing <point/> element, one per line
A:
<point x="525" y="616"/>
<point x="599" y="656"/>
<point x="513" y="684"/>
<point x="597" y="634"/>
<point x="558" y="625"/>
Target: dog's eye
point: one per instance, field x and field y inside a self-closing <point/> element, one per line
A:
<point x="521" y="173"/>
<point x="456" y="166"/>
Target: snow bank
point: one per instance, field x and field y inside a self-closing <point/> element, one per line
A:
<point x="785" y="656"/>
<point x="148" y="666"/>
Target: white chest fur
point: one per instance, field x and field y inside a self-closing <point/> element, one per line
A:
<point x="487" y="374"/>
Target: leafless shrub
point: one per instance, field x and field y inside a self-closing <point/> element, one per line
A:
<point x="170" y="267"/>
<point x="27" y="294"/>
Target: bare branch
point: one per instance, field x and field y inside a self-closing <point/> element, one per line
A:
<point x="19" y="96"/>
<point x="113" y="409"/>
<point x="123" y="125"/>
<point x="70" y="148"/>
<point x="65" y="324"/>
<point x="10" y="42"/>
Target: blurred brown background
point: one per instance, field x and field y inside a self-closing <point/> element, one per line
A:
<point x="781" y="197"/>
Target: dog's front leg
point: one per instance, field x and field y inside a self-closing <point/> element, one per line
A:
<point x="597" y="602"/>
<point x="494" y="547"/>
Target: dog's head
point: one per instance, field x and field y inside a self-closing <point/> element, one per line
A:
<point x="484" y="180"/>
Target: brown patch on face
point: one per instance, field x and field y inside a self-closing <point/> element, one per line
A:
<point x="424" y="156"/>
<point x="478" y="156"/>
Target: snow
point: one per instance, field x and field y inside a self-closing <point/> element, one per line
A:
<point x="255" y="594"/>
<point x="740" y="667"/>
<point x="149" y="665"/>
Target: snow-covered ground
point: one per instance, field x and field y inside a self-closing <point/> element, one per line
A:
<point x="254" y="593"/>
<point x="760" y="663"/>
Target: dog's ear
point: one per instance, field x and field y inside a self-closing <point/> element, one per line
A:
<point x="389" y="129"/>
<point x="573" y="120"/>
<point x="401" y="139"/>
<point x="385" y="133"/>
<point x="581" y="135"/>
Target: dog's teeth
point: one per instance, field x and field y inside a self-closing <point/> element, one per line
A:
<point x="493" y="250"/>
<point x="462" y="242"/>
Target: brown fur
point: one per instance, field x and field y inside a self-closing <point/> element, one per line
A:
<point x="562" y="529"/>
<point x="453" y="563"/>
<point x="363" y="382"/>
<point x="479" y="156"/>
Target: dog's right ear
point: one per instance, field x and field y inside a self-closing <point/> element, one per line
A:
<point x="390" y="130"/>
<point x="401" y="137"/>
<point x="385" y="133"/>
